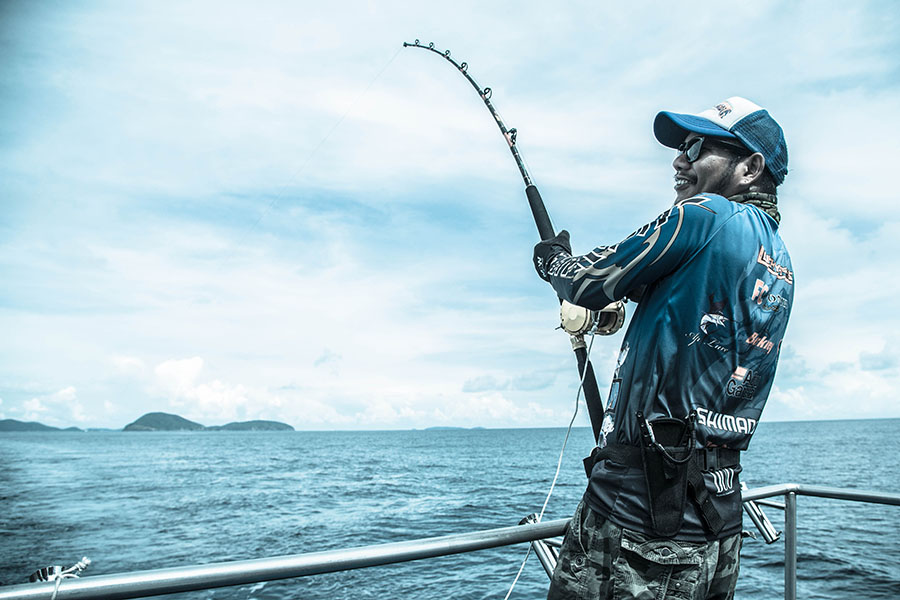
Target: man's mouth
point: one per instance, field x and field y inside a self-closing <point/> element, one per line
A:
<point x="681" y="182"/>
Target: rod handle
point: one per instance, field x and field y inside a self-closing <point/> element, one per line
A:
<point x="539" y="212"/>
<point x="591" y="392"/>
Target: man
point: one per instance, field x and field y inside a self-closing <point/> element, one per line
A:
<point x="661" y="517"/>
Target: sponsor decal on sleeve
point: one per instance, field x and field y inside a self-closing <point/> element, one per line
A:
<point x="722" y="422"/>
<point x="613" y="394"/>
<point x="713" y="319"/>
<point x="606" y="428"/>
<point x="724" y="480"/>
<point x="760" y="341"/>
<point x="774" y="268"/>
<point x="766" y="301"/>
<point x="742" y="384"/>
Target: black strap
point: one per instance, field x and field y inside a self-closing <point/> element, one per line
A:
<point x="629" y="456"/>
<point x="710" y="459"/>
<point x="703" y="500"/>
<point x="706" y="459"/>
<point x="713" y="459"/>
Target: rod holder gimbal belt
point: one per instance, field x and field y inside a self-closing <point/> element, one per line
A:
<point x="671" y="465"/>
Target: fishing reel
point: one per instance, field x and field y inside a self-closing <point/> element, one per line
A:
<point x="577" y="320"/>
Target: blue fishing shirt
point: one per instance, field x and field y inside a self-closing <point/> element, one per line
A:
<point x="716" y="286"/>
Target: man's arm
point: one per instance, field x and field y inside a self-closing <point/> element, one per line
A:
<point x="610" y="273"/>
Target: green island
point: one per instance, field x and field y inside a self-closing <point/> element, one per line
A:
<point x="155" y="421"/>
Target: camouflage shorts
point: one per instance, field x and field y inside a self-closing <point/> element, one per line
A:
<point x="599" y="561"/>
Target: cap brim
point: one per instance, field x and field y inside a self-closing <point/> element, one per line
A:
<point x="671" y="128"/>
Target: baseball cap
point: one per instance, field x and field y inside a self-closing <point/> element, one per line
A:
<point x="735" y="118"/>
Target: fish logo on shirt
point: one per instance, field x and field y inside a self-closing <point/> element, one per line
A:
<point x="714" y="316"/>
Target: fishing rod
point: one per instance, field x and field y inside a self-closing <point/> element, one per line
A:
<point x="575" y="320"/>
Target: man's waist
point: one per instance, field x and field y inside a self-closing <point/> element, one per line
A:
<point x="708" y="459"/>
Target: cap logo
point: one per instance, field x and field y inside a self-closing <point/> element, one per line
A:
<point x="723" y="108"/>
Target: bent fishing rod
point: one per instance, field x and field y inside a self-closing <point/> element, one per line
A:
<point x="575" y="320"/>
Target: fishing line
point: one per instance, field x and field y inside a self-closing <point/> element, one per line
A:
<point x="558" y="468"/>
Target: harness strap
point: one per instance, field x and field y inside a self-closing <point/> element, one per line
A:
<point x="713" y="459"/>
<point x="629" y="456"/>
<point x="705" y="459"/>
<point x="709" y="459"/>
<point x="703" y="500"/>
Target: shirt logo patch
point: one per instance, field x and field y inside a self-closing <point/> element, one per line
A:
<point x="774" y="268"/>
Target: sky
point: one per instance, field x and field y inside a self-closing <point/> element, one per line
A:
<point x="234" y="211"/>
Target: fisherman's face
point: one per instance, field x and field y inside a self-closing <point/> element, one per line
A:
<point x="714" y="171"/>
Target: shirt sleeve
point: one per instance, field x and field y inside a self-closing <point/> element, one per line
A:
<point x="609" y="273"/>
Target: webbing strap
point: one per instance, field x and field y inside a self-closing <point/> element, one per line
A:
<point x="629" y="456"/>
<point x="711" y="516"/>
<point x="712" y="458"/>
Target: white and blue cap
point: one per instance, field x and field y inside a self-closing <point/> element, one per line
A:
<point x="735" y="118"/>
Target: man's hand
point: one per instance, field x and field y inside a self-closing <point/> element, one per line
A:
<point x="546" y="250"/>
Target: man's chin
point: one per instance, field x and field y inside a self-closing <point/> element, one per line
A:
<point x="684" y="194"/>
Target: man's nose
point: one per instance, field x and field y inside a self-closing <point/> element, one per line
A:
<point x="681" y="163"/>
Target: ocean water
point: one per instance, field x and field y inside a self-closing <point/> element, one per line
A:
<point x="135" y="501"/>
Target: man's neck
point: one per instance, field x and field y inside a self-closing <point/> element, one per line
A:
<point x="768" y="203"/>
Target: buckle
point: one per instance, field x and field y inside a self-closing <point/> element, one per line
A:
<point x="711" y="459"/>
<point x="719" y="458"/>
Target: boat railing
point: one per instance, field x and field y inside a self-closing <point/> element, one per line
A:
<point x="140" y="584"/>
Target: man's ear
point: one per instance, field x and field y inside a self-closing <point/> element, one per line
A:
<point x="750" y="170"/>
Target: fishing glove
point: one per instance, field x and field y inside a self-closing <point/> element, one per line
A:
<point x="547" y="250"/>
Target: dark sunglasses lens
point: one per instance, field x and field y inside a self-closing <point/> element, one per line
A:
<point x="692" y="149"/>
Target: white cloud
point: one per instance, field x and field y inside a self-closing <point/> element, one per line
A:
<point x="34" y="405"/>
<point x="338" y="230"/>
<point x="58" y="409"/>
<point x="177" y="377"/>
<point x="129" y="365"/>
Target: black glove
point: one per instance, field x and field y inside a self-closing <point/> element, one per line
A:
<point x="547" y="249"/>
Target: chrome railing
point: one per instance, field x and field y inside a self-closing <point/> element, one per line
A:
<point x="790" y="491"/>
<point x="140" y="584"/>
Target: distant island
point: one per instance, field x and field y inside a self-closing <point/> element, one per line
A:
<point x="13" y="425"/>
<point x="252" y="426"/>
<point x="159" y="421"/>
<point x="155" y="421"/>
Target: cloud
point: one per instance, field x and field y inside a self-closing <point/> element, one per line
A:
<point x="533" y="381"/>
<point x="494" y="410"/>
<point x="328" y="356"/>
<point x="128" y="365"/>
<point x="58" y="409"/>
<point x="339" y="230"/>
<point x="177" y="377"/>
<point x="878" y="361"/>
<point x="484" y="383"/>
<point x="794" y="401"/>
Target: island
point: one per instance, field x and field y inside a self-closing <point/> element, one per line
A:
<point x="252" y="426"/>
<point x="13" y="425"/>
<point x="159" y="421"/>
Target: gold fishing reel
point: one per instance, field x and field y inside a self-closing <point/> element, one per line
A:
<point x="577" y="320"/>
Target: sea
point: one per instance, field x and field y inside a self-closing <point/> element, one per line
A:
<point x="138" y="501"/>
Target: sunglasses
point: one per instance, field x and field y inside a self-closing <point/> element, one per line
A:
<point x="691" y="148"/>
